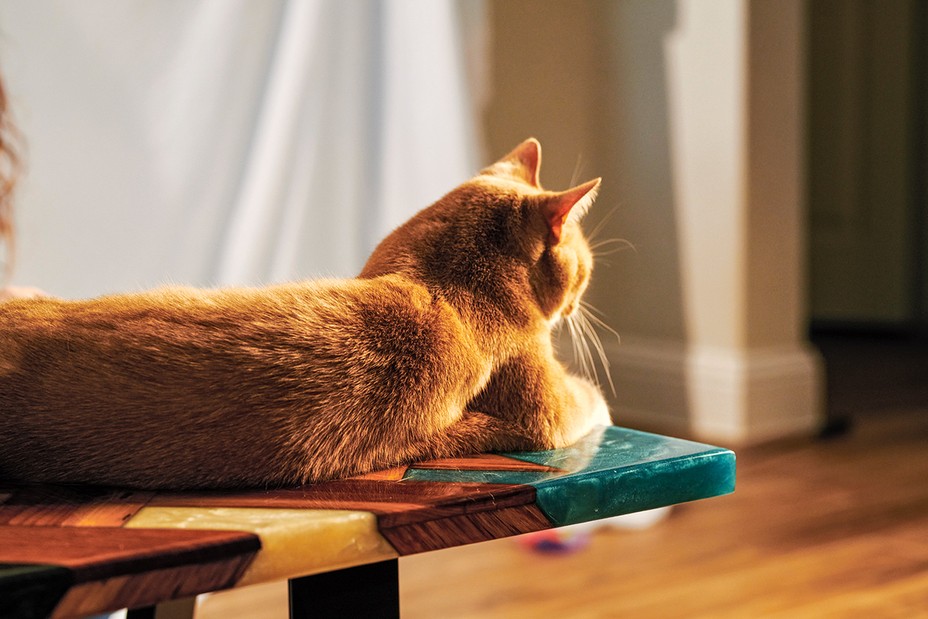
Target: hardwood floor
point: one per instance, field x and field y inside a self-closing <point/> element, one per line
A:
<point x="816" y="528"/>
<point x="838" y="528"/>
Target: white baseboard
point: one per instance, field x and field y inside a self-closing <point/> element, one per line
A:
<point x="729" y="395"/>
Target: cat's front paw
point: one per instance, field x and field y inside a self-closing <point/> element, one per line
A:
<point x="600" y="414"/>
<point x="590" y="410"/>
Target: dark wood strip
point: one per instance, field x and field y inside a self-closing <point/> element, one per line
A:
<point x="465" y="529"/>
<point x="484" y="462"/>
<point x="500" y="497"/>
<point x="71" y="506"/>
<point x="96" y="553"/>
<point x="151" y="587"/>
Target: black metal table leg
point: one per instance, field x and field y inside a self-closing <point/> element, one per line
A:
<point x="173" y="609"/>
<point x="370" y="590"/>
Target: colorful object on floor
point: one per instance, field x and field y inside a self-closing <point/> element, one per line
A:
<point x="85" y="550"/>
<point x="558" y="541"/>
<point x="573" y="537"/>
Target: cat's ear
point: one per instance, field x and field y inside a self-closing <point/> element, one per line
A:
<point x="574" y="203"/>
<point x="523" y="163"/>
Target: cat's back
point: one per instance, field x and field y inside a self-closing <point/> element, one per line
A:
<point x="190" y="377"/>
<point x="309" y="322"/>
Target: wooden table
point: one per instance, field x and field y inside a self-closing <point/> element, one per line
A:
<point x="73" y="551"/>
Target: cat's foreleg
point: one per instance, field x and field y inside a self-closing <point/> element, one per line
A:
<point x="474" y="432"/>
<point x="534" y="393"/>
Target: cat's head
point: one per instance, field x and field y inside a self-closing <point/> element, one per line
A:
<point x="500" y="234"/>
<point x="547" y="226"/>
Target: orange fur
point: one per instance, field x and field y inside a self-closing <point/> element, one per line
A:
<point x="441" y="347"/>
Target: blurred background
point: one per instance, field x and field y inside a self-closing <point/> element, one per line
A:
<point x="765" y="181"/>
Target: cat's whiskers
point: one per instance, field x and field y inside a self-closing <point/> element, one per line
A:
<point x="585" y="339"/>
<point x="591" y="314"/>
<point x="586" y="320"/>
<point x="592" y="309"/>
<point x="583" y="352"/>
<point x="617" y="246"/>
<point x="586" y="355"/>
<point x="591" y="237"/>
<point x="575" y="339"/>
<point x="581" y="335"/>
<point x="585" y="344"/>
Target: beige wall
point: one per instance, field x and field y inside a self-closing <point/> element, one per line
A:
<point x="545" y="62"/>
<point x="579" y="75"/>
<point x="776" y="219"/>
<point x="692" y="113"/>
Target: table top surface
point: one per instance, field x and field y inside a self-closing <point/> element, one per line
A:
<point x="71" y="551"/>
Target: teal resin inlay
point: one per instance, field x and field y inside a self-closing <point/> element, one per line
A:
<point x="609" y="472"/>
<point x="618" y="471"/>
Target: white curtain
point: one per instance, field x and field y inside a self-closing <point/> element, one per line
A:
<point x="219" y="142"/>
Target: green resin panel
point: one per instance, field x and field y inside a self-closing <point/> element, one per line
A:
<point x="612" y="471"/>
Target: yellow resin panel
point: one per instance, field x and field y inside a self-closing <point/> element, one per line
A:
<point x="295" y="542"/>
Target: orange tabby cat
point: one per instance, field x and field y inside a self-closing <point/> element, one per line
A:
<point x="441" y="347"/>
